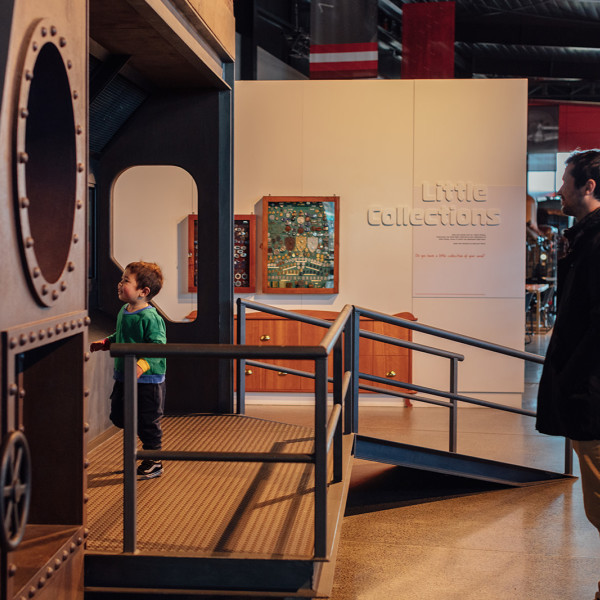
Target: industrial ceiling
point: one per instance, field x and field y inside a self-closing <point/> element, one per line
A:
<point x="555" y="44"/>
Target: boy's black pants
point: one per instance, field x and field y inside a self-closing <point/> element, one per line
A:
<point x="151" y="406"/>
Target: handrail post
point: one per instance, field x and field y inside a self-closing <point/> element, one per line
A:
<point x="240" y="371"/>
<point x="320" y="457"/>
<point x="338" y="380"/>
<point x="355" y="367"/>
<point x="348" y="359"/>
<point x="453" y="433"/>
<point x="129" y="454"/>
<point x="568" y="456"/>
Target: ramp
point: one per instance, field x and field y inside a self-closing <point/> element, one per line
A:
<point x="460" y="465"/>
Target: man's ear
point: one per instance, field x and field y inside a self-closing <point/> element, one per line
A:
<point x="143" y="292"/>
<point x="590" y="187"/>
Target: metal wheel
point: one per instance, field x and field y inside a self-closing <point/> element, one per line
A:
<point x="15" y="483"/>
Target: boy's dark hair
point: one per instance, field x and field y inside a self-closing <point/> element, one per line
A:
<point x="147" y="275"/>
<point x="586" y="166"/>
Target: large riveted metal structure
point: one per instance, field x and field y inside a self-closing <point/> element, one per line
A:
<point x="43" y="307"/>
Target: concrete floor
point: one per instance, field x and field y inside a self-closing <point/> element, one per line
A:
<point x="432" y="537"/>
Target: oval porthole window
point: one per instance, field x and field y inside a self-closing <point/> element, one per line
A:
<point x="47" y="167"/>
<point x="51" y="165"/>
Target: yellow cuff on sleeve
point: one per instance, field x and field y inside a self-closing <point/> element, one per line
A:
<point x="143" y="364"/>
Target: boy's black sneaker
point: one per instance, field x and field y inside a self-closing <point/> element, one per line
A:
<point x="148" y="469"/>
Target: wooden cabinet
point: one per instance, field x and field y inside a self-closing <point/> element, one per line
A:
<point x="375" y="358"/>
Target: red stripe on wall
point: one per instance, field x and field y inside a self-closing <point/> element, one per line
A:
<point x="344" y="66"/>
<point x="343" y="74"/>
<point x="358" y="47"/>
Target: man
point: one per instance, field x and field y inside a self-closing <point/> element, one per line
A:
<point x="569" y="391"/>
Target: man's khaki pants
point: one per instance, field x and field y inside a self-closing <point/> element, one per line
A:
<point x="589" y="461"/>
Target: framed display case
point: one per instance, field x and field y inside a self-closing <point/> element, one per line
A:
<point x="300" y="245"/>
<point x="244" y="252"/>
<point x="192" y="253"/>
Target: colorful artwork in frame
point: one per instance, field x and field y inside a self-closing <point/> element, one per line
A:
<point x="300" y="245"/>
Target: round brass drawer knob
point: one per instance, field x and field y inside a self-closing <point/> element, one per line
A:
<point x="248" y="372"/>
<point x="265" y="338"/>
<point x="391" y="374"/>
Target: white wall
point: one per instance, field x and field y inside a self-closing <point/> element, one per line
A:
<point x="150" y="205"/>
<point x="372" y="143"/>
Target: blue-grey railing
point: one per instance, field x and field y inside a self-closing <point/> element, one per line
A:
<point x="451" y="396"/>
<point x="328" y="429"/>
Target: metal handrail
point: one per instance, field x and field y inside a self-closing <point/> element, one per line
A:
<point x="452" y="394"/>
<point x="328" y="432"/>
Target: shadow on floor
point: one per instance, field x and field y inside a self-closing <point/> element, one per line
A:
<point x="391" y="487"/>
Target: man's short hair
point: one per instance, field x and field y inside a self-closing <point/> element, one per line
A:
<point x="586" y="165"/>
<point x="147" y="275"/>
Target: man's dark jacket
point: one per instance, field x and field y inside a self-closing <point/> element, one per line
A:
<point x="569" y="391"/>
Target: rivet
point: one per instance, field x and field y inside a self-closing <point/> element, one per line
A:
<point x="41" y="582"/>
<point x="44" y="31"/>
<point x="58" y="328"/>
<point x="79" y="322"/>
<point x="72" y="547"/>
<point x="36" y="272"/>
<point x="32" y="337"/>
<point x="79" y="130"/>
<point x="22" y="339"/>
<point x="29" y="242"/>
<point x="44" y="290"/>
<point x="49" y="572"/>
<point x="12" y="389"/>
<point x="12" y="569"/>
<point x="79" y="541"/>
<point x="12" y="342"/>
<point x="69" y="64"/>
<point x="28" y="75"/>
<point x="86" y="427"/>
<point x="86" y="356"/>
<point x="57" y="563"/>
<point x="85" y="498"/>
<point x="32" y="592"/>
<point x="41" y="334"/>
<point x="23" y="157"/>
<point x="75" y="94"/>
<point x="86" y="464"/>
<point x="24" y="202"/>
<point x="63" y="286"/>
<point x="79" y="204"/>
<point x="65" y="326"/>
<point x="87" y="321"/>
<point x="86" y="393"/>
<point x="50" y="332"/>
<point x="65" y="555"/>
<point x="22" y="393"/>
<point x="55" y="294"/>
<point x="34" y="46"/>
<point x="86" y="532"/>
<point x="75" y="238"/>
<point x="73" y="324"/>
<point x="62" y="42"/>
<point x="53" y="30"/>
<point x="80" y="166"/>
<point x="71" y="266"/>
<point x="24" y="113"/>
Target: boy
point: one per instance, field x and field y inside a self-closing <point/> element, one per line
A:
<point x="139" y="322"/>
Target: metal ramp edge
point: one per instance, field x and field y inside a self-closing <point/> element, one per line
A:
<point x="460" y="465"/>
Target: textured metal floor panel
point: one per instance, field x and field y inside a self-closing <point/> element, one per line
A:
<point x="211" y="508"/>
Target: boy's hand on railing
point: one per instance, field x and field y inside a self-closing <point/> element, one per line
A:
<point x="100" y="345"/>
